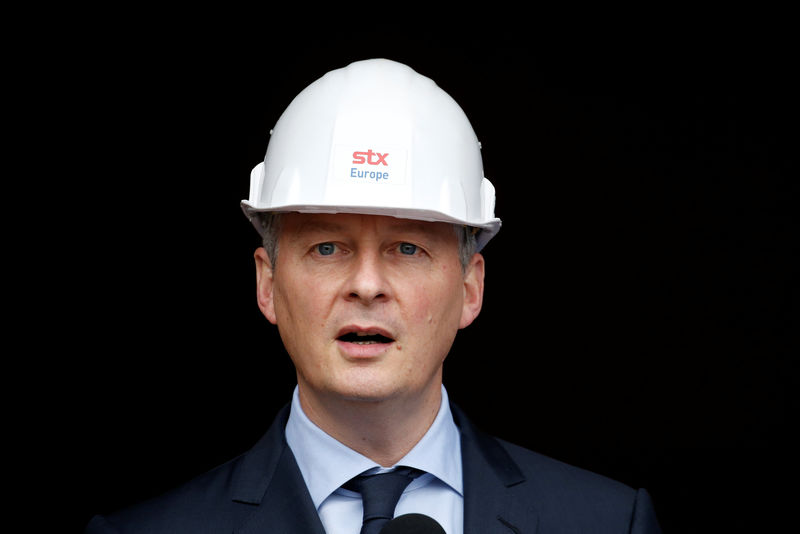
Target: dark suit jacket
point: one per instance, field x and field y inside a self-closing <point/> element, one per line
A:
<point x="507" y="489"/>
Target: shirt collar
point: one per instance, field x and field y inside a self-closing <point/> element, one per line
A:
<point x="326" y="463"/>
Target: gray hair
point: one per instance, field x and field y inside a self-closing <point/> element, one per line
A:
<point x="270" y="225"/>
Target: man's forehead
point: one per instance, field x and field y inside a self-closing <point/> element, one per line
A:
<point x="343" y="222"/>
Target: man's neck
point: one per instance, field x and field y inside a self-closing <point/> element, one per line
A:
<point x="383" y="431"/>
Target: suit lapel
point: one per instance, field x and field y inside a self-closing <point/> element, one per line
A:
<point x="268" y="478"/>
<point x="494" y="487"/>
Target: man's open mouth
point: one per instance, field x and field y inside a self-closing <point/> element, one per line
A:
<point x="363" y="338"/>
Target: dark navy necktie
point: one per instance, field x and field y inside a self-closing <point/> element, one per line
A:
<point x="380" y="494"/>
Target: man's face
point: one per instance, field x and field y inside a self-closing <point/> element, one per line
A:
<point x="368" y="306"/>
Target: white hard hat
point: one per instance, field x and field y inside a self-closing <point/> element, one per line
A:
<point x="377" y="138"/>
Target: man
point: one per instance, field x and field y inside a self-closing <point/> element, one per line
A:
<point x="373" y="209"/>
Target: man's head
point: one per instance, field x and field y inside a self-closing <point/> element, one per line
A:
<point x="373" y="208"/>
<point x="366" y="305"/>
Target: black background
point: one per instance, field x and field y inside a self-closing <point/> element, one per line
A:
<point x="639" y="297"/>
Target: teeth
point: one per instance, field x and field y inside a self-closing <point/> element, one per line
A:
<point x="364" y="338"/>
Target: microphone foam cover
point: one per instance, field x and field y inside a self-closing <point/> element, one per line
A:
<point x="412" y="524"/>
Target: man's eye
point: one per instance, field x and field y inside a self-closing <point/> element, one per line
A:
<point x="408" y="248"/>
<point x="326" y="249"/>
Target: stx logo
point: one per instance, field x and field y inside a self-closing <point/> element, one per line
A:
<point x="358" y="157"/>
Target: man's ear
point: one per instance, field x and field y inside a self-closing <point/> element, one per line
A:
<point x="473" y="290"/>
<point x="264" y="284"/>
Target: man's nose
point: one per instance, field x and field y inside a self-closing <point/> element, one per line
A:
<point x="367" y="282"/>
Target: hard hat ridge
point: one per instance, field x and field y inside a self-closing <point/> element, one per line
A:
<point x="375" y="137"/>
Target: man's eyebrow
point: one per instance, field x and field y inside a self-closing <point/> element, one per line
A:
<point x="398" y="226"/>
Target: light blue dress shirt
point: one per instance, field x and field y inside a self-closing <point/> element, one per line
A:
<point x="326" y="464"/>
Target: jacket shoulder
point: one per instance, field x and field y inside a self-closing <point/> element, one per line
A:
<point x="567" y="478"/>
<point x="573" y="497"/>
<point x="215" y="501"/>
<point x="204" y="504"/>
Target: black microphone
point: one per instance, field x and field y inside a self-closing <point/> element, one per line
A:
<point x="412" y="524"/>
